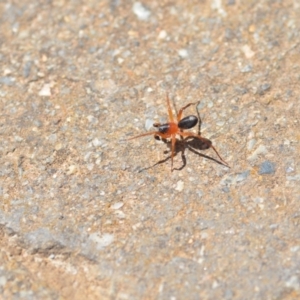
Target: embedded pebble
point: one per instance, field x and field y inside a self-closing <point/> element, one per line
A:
<point x="96" y="142"/>
<point x="18" y="138"/>
<point x="117" y="205"/>
<point x="102" y="241"/>
<point x="251" y="144"/>
<point x="242" y="176"/>
<point x="52" y="138"/>
<point x="90" y="166"/>
<point x="179" y="186"/>
<point x="45" y="91"/>
<point x="264" y="88"/>
<point x="246" y="69"/>
<point x="293" y="282"/>
<point x="293" y="178"/>
<point x="27" y="69"/>
<point x="120" y="214"/>
<point x="3" y="280"/>
<point x="141" y="11"/>
<point x="289" y="169"/>
<point x="247" y="51"/>
<point x="71" y="170"/>
<point x="217" y="5"/>
<point x="7" y="80"/>
<point x="183" y="53"/>
<point x="201" y="104"/>
<point x="162" y="35"/>
<point x="258" y="200"/>
<point x="58" y="146"/>
<point x="267" y="167"/>
<point x="92" y="119"/>
<point x="210" y="104"/>
<point x="261" y="149"/>
<point x="148" y="124"/>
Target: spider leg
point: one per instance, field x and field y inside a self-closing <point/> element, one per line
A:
<point x="147" y="133"/>
<point x="207" y="142"/>
<point x="172" y="150"/>
<point x="169" y="109"/>
<point x="219" y="155"/>
<point x="200" y="121"/>
<point x="183" y="108"/>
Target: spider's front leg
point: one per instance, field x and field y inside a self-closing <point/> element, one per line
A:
<point x="179" y="116"/>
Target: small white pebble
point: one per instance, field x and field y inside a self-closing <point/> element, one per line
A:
<point x="179" y="186"/>
<point x="148" y="124"/>
<point x="7" y="71"/>
<point x="96" y="142"/>
<point x="45" y="91"/>
<point x="101" y="241"/>
<point x="247" y="51"/>
<point x="261" y="149"/>
<point x="92" y="119"/>
<point x="251" y="135"/>
<point x="293" y="178"/>
<point x="217" y="5"/>
<point x="141" y="11"/>
<point x="120" y="214"/>
<point x="120" y="60"/>
<point x="117" y="205"/>
<point x="251" y="144"/>
<point x="3" y="281"/>
<point x="18" y="138"/>
<point x="149" y="89"/>
<point x="162" y="35"/>
<point x="295" y="248"/>
<point x="90" y="167"/>
<point x="293" y="282"/>
<point x="215" y="284"/>
<point x="71" y="170"/>
<point x="183" y="53"/>
<point x="258" y="200"/>
<point x="210" y="104"/>
<point x="58" y="146"/>
<point x="204" y="235"/>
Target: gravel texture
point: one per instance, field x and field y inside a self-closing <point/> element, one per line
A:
<point x="85" y="213"/>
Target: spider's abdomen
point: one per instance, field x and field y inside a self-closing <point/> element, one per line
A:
<point x="188" y="122"/>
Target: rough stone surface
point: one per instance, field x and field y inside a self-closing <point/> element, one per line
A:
<point x="85" y="213"/>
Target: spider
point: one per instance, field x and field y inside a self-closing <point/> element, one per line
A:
<point x="173" y="128"/>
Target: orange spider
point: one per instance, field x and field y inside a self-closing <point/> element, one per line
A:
<point x="170" y="129"/>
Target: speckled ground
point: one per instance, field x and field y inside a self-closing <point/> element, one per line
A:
<point x="86" y="213"/>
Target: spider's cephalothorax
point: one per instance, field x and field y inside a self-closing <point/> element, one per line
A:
<point x="172" y="128"/>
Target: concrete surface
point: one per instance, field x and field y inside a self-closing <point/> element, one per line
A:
<point x="87" y="214"/>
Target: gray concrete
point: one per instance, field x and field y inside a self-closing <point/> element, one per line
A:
<point x="87" y="214"/>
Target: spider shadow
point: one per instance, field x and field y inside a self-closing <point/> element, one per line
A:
<point x="193" y="144"/>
